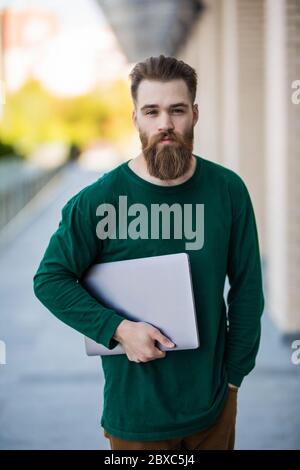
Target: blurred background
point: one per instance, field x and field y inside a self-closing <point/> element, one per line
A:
<point x="65" y="118"/>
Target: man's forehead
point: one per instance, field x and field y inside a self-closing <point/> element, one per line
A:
<point x="159" y="91"/>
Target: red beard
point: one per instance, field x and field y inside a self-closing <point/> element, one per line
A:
<point x="168" y="161"/>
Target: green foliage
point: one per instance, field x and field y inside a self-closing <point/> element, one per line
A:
<point x="33" y="116"/>
<point x="6" y="150"/>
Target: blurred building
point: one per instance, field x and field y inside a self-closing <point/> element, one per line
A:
<point x="246" y="54"/>
<point x="2" y="90"/>
<point x="24" y="33"/>
<point x="67" y="55"/>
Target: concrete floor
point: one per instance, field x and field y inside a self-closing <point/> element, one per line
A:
<point x="51" y="393"/>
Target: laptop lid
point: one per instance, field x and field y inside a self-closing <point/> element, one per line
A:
<point x="157" y="290"/>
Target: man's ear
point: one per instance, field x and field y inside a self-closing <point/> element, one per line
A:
<point x="134" y="118"/>
<point x="195" y="113"/>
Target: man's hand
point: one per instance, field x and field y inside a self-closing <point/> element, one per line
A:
<point x="138" y="341"/>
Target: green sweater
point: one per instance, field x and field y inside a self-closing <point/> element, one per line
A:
<point x="185" y="391"/>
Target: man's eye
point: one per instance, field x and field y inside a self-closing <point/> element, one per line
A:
<point x="175" y="110"/>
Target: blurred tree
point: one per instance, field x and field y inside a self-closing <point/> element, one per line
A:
<point x="33" y="116"/>
<point x="7" y="150"/>
<point x="74" y="152"/>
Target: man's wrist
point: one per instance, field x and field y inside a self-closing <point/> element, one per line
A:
<point x="118" y="333"/>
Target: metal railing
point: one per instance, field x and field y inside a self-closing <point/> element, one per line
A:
<point x="19" y="183"/>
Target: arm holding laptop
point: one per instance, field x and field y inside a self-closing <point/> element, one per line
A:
<point x="71" y="250"/>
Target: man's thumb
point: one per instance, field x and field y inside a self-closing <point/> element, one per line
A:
<point x="164" y="340"/>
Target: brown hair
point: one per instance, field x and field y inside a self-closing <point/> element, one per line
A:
<point x="163" y="69"/>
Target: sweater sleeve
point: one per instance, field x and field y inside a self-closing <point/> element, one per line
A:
<point x="71" y="250"/>
<point x="245" y="298"/>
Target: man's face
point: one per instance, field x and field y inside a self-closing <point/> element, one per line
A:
<point x="164" y="110"/>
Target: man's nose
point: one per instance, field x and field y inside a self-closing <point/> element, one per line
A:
<point x="165" y="123"/>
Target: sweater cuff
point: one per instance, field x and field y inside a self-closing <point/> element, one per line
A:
<point x="108" y="331"/>
<point x="234" y="377"/>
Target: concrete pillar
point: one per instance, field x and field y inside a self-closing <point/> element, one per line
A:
<point x="276" y="161"/>
<point x="229" y="83"/>
<point x="251" y="105"/>
<point x="292" y="161"/>
<point x="205" y="56"/>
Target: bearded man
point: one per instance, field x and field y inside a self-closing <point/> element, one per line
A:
<point x="155" y="399"/>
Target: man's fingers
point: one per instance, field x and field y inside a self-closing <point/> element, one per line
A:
<point x="159" y="354"/>
<point x="163" y="339"/>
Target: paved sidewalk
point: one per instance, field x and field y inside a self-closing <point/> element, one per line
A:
<point x="51" y="393"/>
<point x="268" y="402"/>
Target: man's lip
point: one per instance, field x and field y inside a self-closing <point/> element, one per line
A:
<point x="167" y="140"/>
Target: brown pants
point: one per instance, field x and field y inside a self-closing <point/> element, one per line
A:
<point x="219" y="436"/>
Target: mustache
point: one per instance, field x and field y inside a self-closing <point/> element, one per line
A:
<point x="164" y="135"/>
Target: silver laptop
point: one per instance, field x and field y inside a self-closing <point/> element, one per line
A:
<point x="157" y="290"/>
